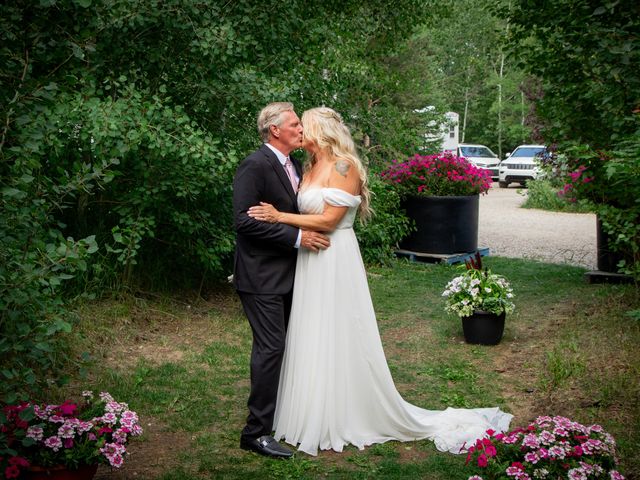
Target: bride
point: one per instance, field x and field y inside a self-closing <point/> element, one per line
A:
<point x="335" y="386"/>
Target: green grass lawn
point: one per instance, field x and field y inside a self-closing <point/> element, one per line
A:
<point x="183" y="365"/>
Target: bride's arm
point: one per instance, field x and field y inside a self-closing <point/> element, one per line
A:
<point x="344" y="176"/>
<point x="324" y="222"/>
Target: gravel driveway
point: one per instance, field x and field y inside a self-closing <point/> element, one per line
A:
<point x="511" y="231"/>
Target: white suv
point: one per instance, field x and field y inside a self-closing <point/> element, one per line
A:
<point x="481" y="157"/>
<point x="521" y="165"/>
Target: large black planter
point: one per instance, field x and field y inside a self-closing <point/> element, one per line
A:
<point x="484" y="328"/>
<point x="444" y="224"/>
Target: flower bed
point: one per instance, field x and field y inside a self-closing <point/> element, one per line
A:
<point x="549" y="448"/>
<point x="68" y="434"/>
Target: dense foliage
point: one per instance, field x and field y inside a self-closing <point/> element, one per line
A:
<point x="585" y="55"/>
<point x="121" y="124"/>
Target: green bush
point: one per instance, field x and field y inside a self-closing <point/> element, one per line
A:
<point x="378" y="237"/>
<point x="622" y="226"/>
<point x="543" y="194"/>
<point x="35" y="259"/>
<point x="621" y="220"/>
<point x="167" y="209"/>
<point x="122" y="123"/>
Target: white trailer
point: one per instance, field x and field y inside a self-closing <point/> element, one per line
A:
<point x="442" y="135"/>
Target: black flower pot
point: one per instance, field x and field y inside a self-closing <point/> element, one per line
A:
<point x="483" y="328"/>
<point x="444" y="224"/>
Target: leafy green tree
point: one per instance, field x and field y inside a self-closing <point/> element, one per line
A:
<point x="586" y="53"/>
<point x="121" y="124"/>
<point x="468" y="71"/>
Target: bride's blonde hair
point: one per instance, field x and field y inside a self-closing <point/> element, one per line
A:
<point x="325" y="127"/>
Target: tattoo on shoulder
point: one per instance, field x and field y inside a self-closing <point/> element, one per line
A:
<point x="342" y="167"/>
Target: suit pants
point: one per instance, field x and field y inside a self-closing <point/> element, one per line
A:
<point x="268" y="316"/>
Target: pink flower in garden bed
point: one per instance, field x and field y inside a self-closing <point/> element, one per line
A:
<point x="570" y="450"/>
<point x="68" y="434"/>
<point x="443" y="174"/>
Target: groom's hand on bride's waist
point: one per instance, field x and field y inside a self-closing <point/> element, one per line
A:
<point x="314" y="241"/>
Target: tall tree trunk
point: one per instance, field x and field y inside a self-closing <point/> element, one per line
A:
<point x="500" y="76"/>
<point x="500" y="80"/>
<point x="522" y="116"/>
<point x="464" y="116"/>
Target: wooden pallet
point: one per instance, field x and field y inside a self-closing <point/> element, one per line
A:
<point x="449" y="258"/>
<point x="598" y="276"/>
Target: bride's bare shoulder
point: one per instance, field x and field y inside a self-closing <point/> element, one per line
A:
<point x="343" y="166"/>
<point x="345" y="176"/>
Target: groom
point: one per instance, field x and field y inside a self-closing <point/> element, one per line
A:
<point x="265" y="262"/>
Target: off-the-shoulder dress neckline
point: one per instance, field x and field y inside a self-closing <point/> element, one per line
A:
<point x="317" y="187"/>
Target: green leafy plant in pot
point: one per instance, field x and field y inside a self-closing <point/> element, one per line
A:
<point x="481" y="299"/>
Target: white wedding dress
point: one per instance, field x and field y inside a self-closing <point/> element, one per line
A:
<point x="335" y="386"/>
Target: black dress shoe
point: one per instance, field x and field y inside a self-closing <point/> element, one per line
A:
<point x="265" y="445"/>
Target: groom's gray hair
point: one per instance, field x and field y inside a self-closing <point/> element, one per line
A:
<point x="272" y="115"/>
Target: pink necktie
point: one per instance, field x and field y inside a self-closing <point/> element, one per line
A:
<point x="288" y="166"/>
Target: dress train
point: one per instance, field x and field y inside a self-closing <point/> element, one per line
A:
<point x="335" y="385"/>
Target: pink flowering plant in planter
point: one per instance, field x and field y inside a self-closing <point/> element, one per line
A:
<point x="443" y="174"/>
<point x="70" y="434"/>
<point x="549" y="448"/>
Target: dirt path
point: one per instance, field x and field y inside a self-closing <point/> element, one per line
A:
<point x="511" y="231"/>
